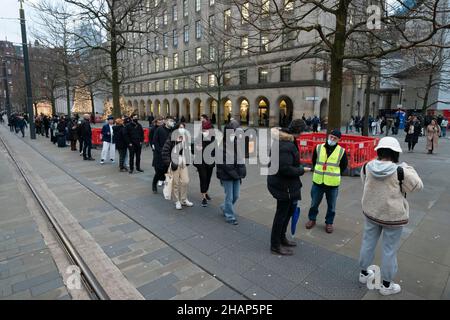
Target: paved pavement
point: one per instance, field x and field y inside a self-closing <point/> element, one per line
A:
<point x="235" y="261"/>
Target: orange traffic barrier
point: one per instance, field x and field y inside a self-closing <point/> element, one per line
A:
<point x="96" y="136"/>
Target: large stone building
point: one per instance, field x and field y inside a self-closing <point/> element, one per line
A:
<point x="12" y="57"/>
<point x="261" y="82"/>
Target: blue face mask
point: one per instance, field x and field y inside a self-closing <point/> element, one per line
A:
<point x="331" y="143"/>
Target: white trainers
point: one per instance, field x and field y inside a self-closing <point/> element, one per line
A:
<point x="392" y="289"/>
<point x="363" y="279"/>
<point x="102" y="161"/>
<point x="160" y="183"/>
<point x="187" y="203"/>
<point x="178" y="205"/>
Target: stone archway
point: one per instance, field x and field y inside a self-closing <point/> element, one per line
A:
<point x="323" y="109"/>
<point x="157" y="108"/>
<point x="142" y="114"/>
<point x="149" y="107"/>
<point x="198" y="109"/>
<point x="263" y="111"/>
<point x="286" y="111"/>
<point x="244" y="111"/>
<point x="227" y="109"/>
<point x="175" y="109"/>
<point x="186" y="110"/>
<point x="135" y="107"/>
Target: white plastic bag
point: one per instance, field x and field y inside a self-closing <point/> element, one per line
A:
<point x="168" y="184"/>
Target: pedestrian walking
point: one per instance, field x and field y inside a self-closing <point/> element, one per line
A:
<point x="162" y="133"/>
<point x="204" y="160"/>
<point x="230" y="170"/>
<point x="386" y="211"/>
<point x="433" y="132"/>
<point x="444" y="125"/>
<point x="21" y="124"/>
<point x="61" y="134"/>
<point x="134" y="134"/>
<point x="176" y="154"/>
<point x="285" y="184"/>
<point x="412" y="129"/>
<point x="119" y="140"/>
<point x="109" y="147"/>
<point x="86" y="135"/>
<point x="329" y="161"/>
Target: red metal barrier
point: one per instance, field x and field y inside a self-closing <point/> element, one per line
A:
<point x="359" y="149"/>
<point x="96" y="136"/>
<point x="146" y="136"/>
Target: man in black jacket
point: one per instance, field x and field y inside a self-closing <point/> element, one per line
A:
<point x="285" y="184"/>
<point x="134" y="135"/>
<point x="159" y="139"/>
<point x="86" y="135"/>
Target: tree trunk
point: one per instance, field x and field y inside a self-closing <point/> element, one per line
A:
<point x="219" y="102"/>
<point x="53" y="102"/>
<point x="366" y="124"/>
<point x="116" y="112"/>
<point x="337" y="66"/>
<point x="67" y="85"/>
<point x="92" y="101"/>
<point x="427" y="93"/>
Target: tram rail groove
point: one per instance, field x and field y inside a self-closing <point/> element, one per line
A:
<point x="96" y="291"/>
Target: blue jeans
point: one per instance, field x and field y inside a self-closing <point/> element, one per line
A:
<point x="390" y="244"/>
<point x="331" y="194"/>
<point x="231" y="188"/>
<point x="443" y="131"/>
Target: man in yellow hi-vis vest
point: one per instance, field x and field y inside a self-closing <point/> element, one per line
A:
<point x="329" y="161"/>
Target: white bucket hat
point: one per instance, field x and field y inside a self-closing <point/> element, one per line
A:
<point x="389" y="143"/>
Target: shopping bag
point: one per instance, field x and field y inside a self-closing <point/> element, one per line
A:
<point x="168" y="184"/>
<point x="294" y="220"/>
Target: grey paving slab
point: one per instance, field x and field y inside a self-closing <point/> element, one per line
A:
<point x="302" y="293"/>
<point x="257" y="293"/>
<point x="149" y="290"/>
<point x="127" y="227"/>
<point x="47" y="286"/>
<point x="224" y="293"/>
<point x="30" y="283"/>
<point x="233" y="260"/>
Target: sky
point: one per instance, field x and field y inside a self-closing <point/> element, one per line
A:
<point x="9" y="20"/>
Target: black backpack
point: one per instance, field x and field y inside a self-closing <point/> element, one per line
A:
<point x="400" y="177"/>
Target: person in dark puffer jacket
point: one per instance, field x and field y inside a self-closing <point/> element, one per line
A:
<point x="231" y="174"/>
<point x="120" y="141"/>
<point x="285" y="184"/>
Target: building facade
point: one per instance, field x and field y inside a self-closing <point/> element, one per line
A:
<point x="174" y="70"/>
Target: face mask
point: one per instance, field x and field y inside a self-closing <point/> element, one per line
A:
<point x="205" y="134"/>
<point x="182" y="131"/>
<point x="170" y="124"/>
<point x="331" y="143"/>
<point x="232" y="137"/>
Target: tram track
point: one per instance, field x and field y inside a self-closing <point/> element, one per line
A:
<point x="90" y="282"/>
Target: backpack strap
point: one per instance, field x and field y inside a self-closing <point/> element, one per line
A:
<point x="401" y="177"/>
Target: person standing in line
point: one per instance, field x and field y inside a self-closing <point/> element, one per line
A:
<point x="72" y="135"/>
<point x="80" y="137"/>
<point x="412" y="129"/>
<point x="285" y="185"/>
<point x="205" y="169"/>
<point x="119" y="140"/>
<point x="86" y="135"/>
<point x="134" y="134"/>
<point x="21" y="124"/>
<point x="329" y="161"/>
<point x="175" y="154"/>
<point x="159" y="139"/>
<point x="386" y="211"/>
<point x="109" y="147"/>
<point x="150" y="119"/>
<point x="230" y="170"/>
<point x="444" y="125"/>
<point x="433" y="132"/>
<point x="46" y="123"/>
<point x="62" y="132"/>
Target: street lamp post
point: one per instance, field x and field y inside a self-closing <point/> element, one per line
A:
<point x="5" y="81"/>
<point x="27" y="72"/>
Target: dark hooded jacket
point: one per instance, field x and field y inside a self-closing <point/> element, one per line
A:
<point x="235" y="170"/>
<point x="285" y="184"/>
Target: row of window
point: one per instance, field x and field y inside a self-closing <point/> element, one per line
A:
<point x="263" y="76"/>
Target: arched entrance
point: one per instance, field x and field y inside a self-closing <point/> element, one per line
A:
<point x="135" y="107"/>
<point x="198" y="109"/>
<point x="286" y="111"/>
<point x="263" y="111"/>
<point x="175" y="110"/>
<point x="157" y="108"/>
<point x="166" y="108"/>
<point x="213" y="110"/>
<point x="323" y="109"/>
<point x="227" y="110"/>
<point x="244" y="111"/>
<point x="186" y="110"/>
<point x="150" y="107"/>
<point x="142" y="114"/>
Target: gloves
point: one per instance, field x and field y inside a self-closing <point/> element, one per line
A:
<point x="174" y="166"/>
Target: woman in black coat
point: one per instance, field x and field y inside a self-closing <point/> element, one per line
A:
<point x="121" y="143"/>
<point x="285" y="184"/>
<point x="231" y="173"/>
<point x="413" y="130"/>
<point x="72" y="134"/>
<point x="162" y="133"/>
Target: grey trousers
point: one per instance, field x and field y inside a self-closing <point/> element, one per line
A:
<point x="389" y="247"/>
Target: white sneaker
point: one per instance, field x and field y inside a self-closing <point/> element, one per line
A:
<point x="102" y="161"/>
<point x="178" y="205"/>
<point x="160" y="183"/>
<point x="187" y="203"/>
<point x="392" y="289"/>
<point x="363" y="279"/>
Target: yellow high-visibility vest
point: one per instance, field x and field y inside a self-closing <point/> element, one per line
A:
<point x="327" y="170"/>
